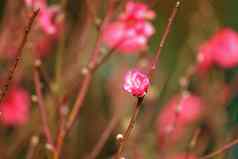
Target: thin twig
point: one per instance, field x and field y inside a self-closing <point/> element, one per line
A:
<point x="88" y="73"/>
<point x="150" y="72"/>
<point x="221" y="150"/>
<point x="19" y="54"/>
<point x="104" y="137"/>
<point x="41" y="104"/>
<point x="164" y="37"/>
<point x="193" y="142"/>
<point x="130" y="127"/>
<point x="33" y="143"/>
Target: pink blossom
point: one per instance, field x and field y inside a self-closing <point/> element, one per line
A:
<point x="167" y="131"/>
<point x="137" y="11"/>
<point x="15" y="107"/>
<point x="221" y="49"/>
<point x="47" y="20"/>
<point x="205" y="58"/>
<point x="132" y="30"/>
<point x="175" y="116"/>
<point x="225" y="43"/>
<point x="136" y="83"/>
<point x="188" y="107"/>
<point x="47" y="15"/>
<point x="43" y="46"/>
<point x="36" y="3"/>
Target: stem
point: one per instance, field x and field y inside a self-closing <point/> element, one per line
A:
<point x="130" y="127"/>
<point x="19" y="54"/>
<point x="151" y="70"/>
<point x="164" y="37"/>
<point x="60" y="51"/>
<point x="41" y="105"/>
<point x="104" y="137"/>
<point x="223" y="149"/>
<point x="33" y="143"/>
<point x="92" y="66"/>
<point x="192" y="143"/>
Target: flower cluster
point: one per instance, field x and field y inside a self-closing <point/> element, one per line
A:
<point x="221" y="49"/>
<point x="136" y="83"/>
<point x="131" y="31"/>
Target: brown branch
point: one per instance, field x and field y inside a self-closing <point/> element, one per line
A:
<point x="154" y="64"/>
<point x="129" y="129"/>
<point x="223" y="149"/>
<point x="92" y="66"/>
<point x="193" y="142"/>
<point x="41" y="104"/>
<point x="164" y="37"/>
<point x="104" y="137"/>
<point x="19" y="54"/>
<point x="33" y="143"/>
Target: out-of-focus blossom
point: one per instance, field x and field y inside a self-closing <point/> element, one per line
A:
<point x="47" y="20"/>
<point x="15" y="107"/>
<point x="176" y="115"/>
<point x="205" y="58"/>
<point x="131" y="31"/>
<point x="36" y="4"/>
<point x="188" y="107"/>
<point x="47" y="16"/>
<point x="43" y="46"/>
<point x="225" y="43"/>
<point x="168" y="130"/>
<point x="138" y="11"/>
<point x="221" y="49"/>
<point x="136" y="83"/>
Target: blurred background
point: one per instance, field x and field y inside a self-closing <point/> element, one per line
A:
<point x="64" y="55"/>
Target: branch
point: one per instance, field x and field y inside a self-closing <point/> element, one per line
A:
<point x="33" y="143"/>
<point x="164" y="37"/>
<point x="154" y="64"/>
<point x="41" y="104"/>
<point x="19" y="54"/>
<point x="92" y="66"/>
<point x="104" y="137"/>
<point x="129" y="129"/>
<point x="223" y="149"/>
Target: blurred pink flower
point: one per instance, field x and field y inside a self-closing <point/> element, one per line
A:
<point x="189" y="108"/>
<point x="47" y="20"/>
<point x="138" y="11"/>
<point x="168" y="130"/>
<point x="136" y="83"/>
<point x="175" y="116"/>
<point x="221" y="49"/>
<point x="47" y="15"/>
<point x="205" y="58"/>
<point x="36" y="4"/>
<point x="15" y="107"/>
<point x="43" y="46"/>
<point x="225" y="43"/>
<point x="132" y="30"/>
